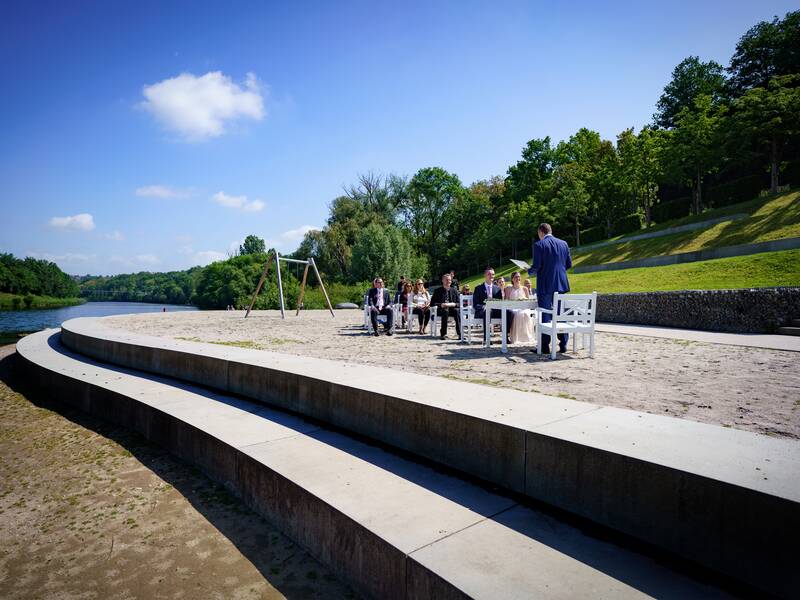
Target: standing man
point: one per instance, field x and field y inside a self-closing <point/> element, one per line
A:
<point x="446" y="299"/>
<point x="380" y="303"/>
<point x="551" y="259"/>
<point x="453" y="280"/>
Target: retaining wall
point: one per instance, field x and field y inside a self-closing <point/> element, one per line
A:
<point x="757" y="310"/>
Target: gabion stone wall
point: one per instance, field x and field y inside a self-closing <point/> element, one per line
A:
<point x="760" y="310"/>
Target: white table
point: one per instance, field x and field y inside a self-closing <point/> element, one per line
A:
<point x="503" y="305"/>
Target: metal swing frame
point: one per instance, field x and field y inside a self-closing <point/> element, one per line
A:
<point x="277" y="258"/>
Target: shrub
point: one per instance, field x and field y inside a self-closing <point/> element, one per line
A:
<point x="738" y="190"/>
<point x="628" y="223"/>
<point x="593" y="234"/>
<point x="16" y="302"/>
<point x="28" y="299"/>
<point x="676" y="209"/>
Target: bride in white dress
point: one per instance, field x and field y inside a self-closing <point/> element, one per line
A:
<point x="521" y="320"/>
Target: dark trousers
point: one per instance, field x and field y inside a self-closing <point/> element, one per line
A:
<point x="443" y="313"/>
<point x="424" y="315"/>
<point x="373" y="315"/>
<point x="546" y="301"/>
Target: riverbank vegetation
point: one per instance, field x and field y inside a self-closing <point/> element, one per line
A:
<point x="29" y="283"/>
<point x="30" y="301"/>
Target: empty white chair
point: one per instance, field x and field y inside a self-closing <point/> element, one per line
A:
<point x="571" y="313"/>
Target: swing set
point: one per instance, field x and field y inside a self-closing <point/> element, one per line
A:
<point x="277" y="258"/>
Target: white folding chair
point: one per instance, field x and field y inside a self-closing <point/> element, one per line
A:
<point x="367" y="324"/>
<point x="468" y="321"/>
<point x="410" y="314"/>
<point x="571" y="313"/>
<point x="435" y="316"/>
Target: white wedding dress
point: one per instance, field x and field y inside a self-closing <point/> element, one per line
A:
<point x="522" y="322"/>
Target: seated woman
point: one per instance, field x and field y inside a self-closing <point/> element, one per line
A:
<point x="465" y="291"/>
<point x="421" y="302"/>
<point x="521" y="328"/>
<point x="402" y="298"/>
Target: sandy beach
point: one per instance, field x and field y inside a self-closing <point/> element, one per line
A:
<point x="91" y="510"/>
<point x="747" y="388"/>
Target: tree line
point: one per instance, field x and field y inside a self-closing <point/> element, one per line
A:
<point x="719" y="135"/>
<point x="35" y="277"/>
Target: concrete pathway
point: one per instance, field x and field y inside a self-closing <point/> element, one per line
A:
<point x="753" y="340"/>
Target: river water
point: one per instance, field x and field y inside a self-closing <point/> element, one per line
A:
<point x="36" y="320"/>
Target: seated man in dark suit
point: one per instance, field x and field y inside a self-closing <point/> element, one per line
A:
<point x="445" y="299"/>
<point x="380" y="303"/>
<point x="551" y="259"/>
<point x="483" y="292"/>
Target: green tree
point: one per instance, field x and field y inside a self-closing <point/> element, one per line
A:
<point x="695" y="146"/>
<point x="768" y="49"/>
<point x="425" y="209"/>
<point x="571" y="202"/>
<point x="381" y="252"/>
<point x="252" y="245"/>
<point x="690" y="79"/>
<point x="770" y="117"/>
<point x="641" y="167"/>
<point x="532" y="173"/>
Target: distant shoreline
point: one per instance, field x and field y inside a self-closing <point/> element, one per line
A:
<point x="37" y="302"/>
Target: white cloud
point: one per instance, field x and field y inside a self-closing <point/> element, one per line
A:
<point x="115" y="236"/>
<point x="80" y="222"/>
<point x="208" y="256"/>
<point x="198" y="108"/>
<point x="290" y="239"/>
<point x="68" y="258"/>
<point x="147" y="259"/>
<point x="161" y="191"/>
<point x="238" y="202"/>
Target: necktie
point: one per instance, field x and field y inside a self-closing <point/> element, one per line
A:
<point x="380" y="300"/>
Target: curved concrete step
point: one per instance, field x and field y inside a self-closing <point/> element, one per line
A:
<point x="391" y="527"/>
<point x="716" y="496"/>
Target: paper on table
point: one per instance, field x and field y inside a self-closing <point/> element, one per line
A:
<point x="521" y="264"/>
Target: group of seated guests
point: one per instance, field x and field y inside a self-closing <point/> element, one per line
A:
<point x="446" y="299"/>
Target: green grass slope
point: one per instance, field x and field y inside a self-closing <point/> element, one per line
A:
<point x="773" y="218"/>
<point x="758" y="270"/>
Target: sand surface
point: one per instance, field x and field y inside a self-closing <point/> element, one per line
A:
<point x="90" y="510"/>
<point x="753" y="389"/>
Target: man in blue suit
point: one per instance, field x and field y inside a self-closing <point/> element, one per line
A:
<point x="483" y="292"/>
<point x="551" y="259"/>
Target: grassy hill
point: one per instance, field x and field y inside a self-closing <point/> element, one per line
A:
<point x="771" y="218"/>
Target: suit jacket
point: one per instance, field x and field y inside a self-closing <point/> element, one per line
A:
<point x="551" y="259"/>
<point x="441" y="295"/>
<point x="372" y="297"/>
<point x="481" y="295"/>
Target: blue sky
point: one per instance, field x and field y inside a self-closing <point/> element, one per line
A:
<point x="157" y="135"/>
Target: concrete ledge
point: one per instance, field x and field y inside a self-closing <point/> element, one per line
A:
<point x="718" y="496"/>
<point x="391" y="527"/>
